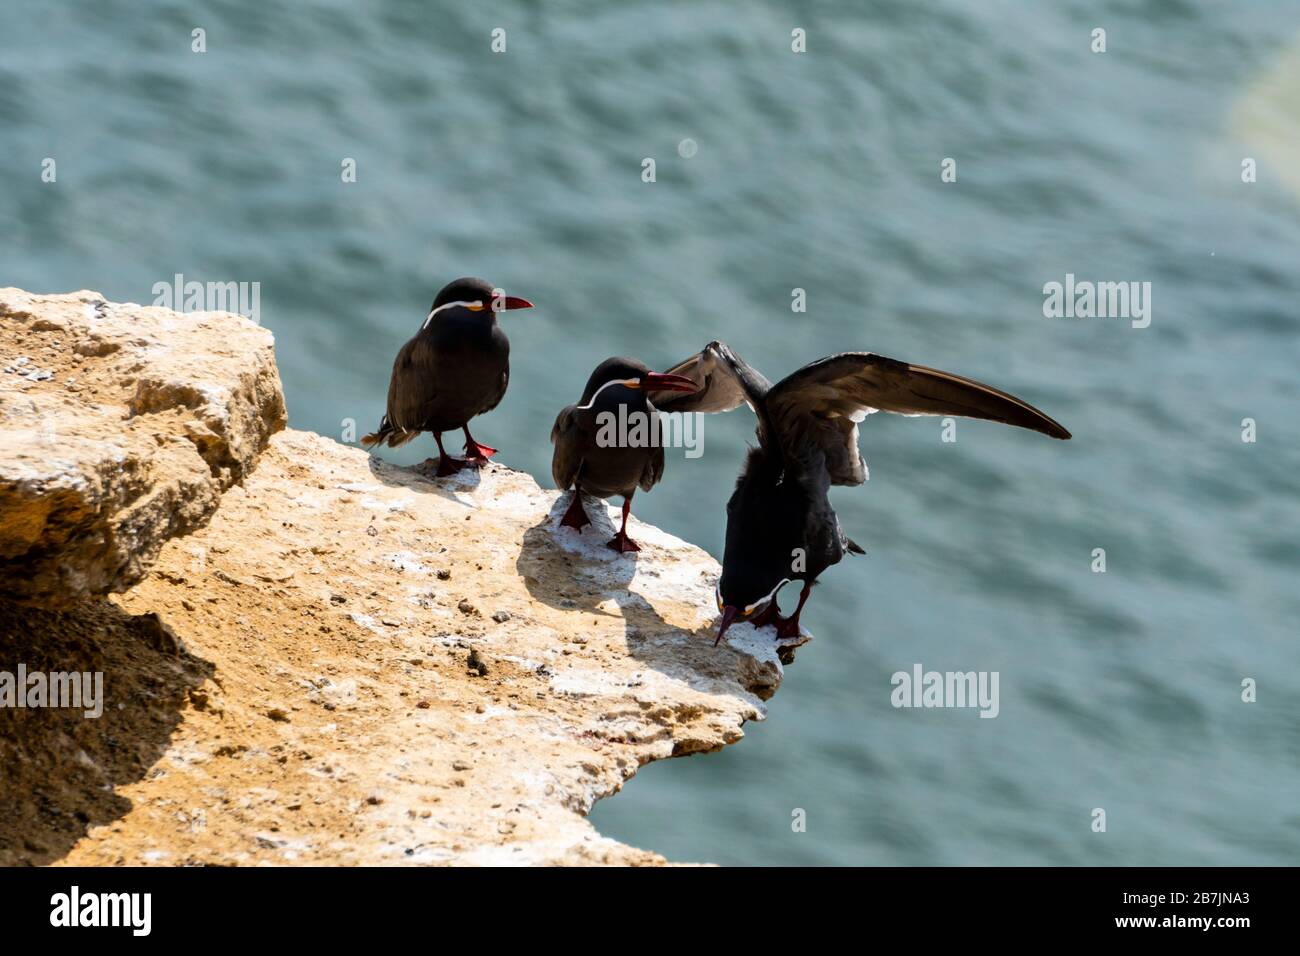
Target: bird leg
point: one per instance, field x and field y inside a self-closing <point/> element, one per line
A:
<point x="478" y="454"/>
<point x="788" y="627"/>
<point x="621" y="542"/>
<point x="448" y="464"/>
<point x="769" y="615"/>
<point x="576" y="516"/>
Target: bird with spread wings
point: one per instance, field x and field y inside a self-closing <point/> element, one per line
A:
<point x="780" y="523"/>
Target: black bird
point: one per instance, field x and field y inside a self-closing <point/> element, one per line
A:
<point x="609" y="444"/>
<point x="780" y="523"/>
<point x="456" y="366"/>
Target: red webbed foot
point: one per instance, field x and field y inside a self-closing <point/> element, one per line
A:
<point x="622" y="543"/>
<point x="450" y="464"/>
<point x="479" y="453"/>
<point x="787" y="628"/>
<point x="576" y="516"/>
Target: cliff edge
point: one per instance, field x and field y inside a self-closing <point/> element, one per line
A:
<point x="310" y="656"/>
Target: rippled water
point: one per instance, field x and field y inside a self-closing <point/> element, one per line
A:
<point x="819" y="170"/>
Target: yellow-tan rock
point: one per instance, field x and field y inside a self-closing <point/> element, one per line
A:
<point x="356" y="663"/>
<point x="120" y="427"/>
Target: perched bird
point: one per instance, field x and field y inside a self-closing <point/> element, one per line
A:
<point x="455" y="367"/>
<point x="608" y="444"/>
<point x="780" y="523"/>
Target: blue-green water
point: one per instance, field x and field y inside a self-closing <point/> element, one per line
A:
<point x="819" y="171"/>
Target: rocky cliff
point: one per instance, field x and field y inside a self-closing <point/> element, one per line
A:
<point x="120" y="428"/>
<point x="308" y="655"/>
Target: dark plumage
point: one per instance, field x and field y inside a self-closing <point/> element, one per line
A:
<point x="456" y="366"/>
<point x="780" y="523"/>
<point x="588" y="461"/>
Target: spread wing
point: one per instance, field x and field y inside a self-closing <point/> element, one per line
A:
<point x="823" y="402"/>
<point x="567" y="437"/>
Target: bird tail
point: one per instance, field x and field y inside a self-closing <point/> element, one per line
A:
<point x="387" y="432"/>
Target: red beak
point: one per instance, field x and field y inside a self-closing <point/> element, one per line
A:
<point x="728" y="615"/>
<point x="662" y="382"/>
<point x="514" y="302"/>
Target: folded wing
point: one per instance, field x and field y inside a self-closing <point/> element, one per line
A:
<point x="566" y="436"/>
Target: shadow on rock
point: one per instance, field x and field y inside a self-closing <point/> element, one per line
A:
<point x="572" y="570"/>
<point x="422" y="478"/>
<point x="576" y="572"/>
<point x="60" y="768"/>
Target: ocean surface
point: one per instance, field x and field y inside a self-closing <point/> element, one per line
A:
<point x="820" y="171"/>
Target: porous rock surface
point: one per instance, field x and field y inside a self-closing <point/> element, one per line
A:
<point x="120" y="427"/>
<point x="350" y="662"/>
